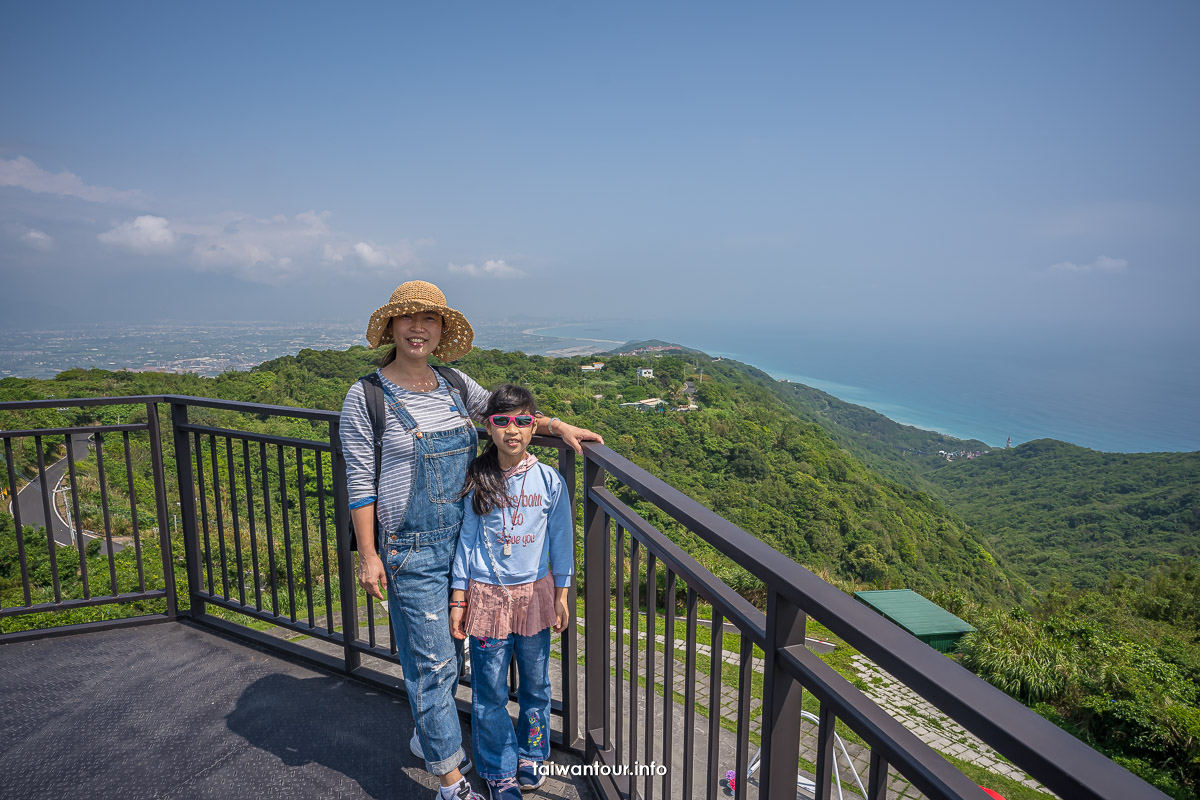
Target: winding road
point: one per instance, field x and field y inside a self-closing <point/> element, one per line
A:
<point x="29" y="499"/>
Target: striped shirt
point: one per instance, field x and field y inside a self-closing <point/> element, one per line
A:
<point x="433" y="411"/>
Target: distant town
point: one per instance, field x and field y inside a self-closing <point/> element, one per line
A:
<point x="212" y="348"/>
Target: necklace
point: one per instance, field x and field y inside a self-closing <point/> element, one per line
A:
<point x="487" y="541"/>
<point x="425" y="384"/>
<point x="516" y="516"/>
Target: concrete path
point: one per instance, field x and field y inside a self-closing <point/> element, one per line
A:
<point x="932" y="726"/>
<point x="914" y="712"/>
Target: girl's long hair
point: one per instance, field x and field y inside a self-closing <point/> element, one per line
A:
<point x="484" y="475"/>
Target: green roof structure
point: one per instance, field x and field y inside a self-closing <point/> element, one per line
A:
<point x="929" y="622"/>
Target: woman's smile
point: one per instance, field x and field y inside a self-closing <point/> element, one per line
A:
<point x="420" y="333"/>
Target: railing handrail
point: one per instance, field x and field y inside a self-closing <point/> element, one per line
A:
<point x="1057" y="759"/>
<point x="204" y="402"/>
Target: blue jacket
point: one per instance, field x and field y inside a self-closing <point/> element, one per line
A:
<point x="537" y="524"/>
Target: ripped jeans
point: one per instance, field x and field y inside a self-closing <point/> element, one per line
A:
<point x="497" y="744"/>
<point x="418" y="604"/>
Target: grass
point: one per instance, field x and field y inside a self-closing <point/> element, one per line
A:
<point x="1007" y="787"/>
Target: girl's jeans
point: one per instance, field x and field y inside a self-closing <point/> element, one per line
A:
<point x="497" y="744"/>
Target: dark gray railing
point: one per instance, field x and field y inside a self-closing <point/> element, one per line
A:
<point x="42" y="483"/>
<point x="1059" y="761"/>
<point x="264" y="537"/>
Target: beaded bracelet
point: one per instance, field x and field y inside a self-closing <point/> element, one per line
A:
<point x="458" y="603"/>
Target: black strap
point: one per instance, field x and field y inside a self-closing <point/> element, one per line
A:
<point x="373" y="392"/>
<point x="455" y="379"/>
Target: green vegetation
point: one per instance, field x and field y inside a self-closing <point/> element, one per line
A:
<point x="1070" y="513"/>
<point x="864" y="502"/>
<point x="1118" y="666"/>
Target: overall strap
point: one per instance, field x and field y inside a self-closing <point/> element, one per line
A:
<point x="406" y="419"/>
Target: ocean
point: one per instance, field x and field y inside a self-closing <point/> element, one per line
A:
<point x="1129" y="397"/>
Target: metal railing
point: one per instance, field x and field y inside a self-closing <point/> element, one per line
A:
<point x="1059" y="761"/>
<point x="263" y="537"/>
<point x="65" y="528"/>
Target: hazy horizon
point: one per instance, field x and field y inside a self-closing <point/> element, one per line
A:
<point x="961" y="178"/>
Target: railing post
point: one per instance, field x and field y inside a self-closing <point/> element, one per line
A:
<point x="187" y="507"/>
<point x="160" y="502"/>
<point x="595" y="609"/>
<point x="782" y="696"/>
<point x="569" y="639"/>
<point x="347" y="582"/>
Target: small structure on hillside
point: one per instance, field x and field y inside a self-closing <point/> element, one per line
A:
<point x="595" y="366"/>
<point x="645" y="372"/>
<point x="648" y="404"/>
<point x="924" y="619"/>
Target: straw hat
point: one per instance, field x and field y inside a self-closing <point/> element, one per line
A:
<point x="414" y="296"/>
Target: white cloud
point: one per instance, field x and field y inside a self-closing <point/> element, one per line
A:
<point x="30" y="237"/>
<point x="271" y="250"/>
<point x="1101" y="264"/>
<point x="491" y="269"/>
<point x="144" y="234"/>
<point x="370" y="256"/>
<point x="23" y="173"/>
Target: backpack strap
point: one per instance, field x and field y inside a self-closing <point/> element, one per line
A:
<point x="456" y="381"/>
<point x="373" y="392"/>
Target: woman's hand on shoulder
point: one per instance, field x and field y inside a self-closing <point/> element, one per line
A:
<point x="372" y="575"/>
<point x="575" y="436"/>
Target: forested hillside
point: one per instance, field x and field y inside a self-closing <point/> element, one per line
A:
<point x="742" y="453"/>
<point x="1059" y="512"/>
<point x="1055" y="512"/>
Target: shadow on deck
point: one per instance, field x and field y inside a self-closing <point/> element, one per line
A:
<point x="175" y="710"/>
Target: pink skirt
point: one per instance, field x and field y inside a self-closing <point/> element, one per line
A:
<point x="491" y="615"/>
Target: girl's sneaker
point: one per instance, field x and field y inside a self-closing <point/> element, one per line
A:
<point x="504" y="789"/>
<point x="530" y="775"/>
<point x="459" y="791"/>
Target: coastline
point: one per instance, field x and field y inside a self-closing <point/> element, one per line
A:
<point x="536" y="332"/>
<point x="1110" y="404"/>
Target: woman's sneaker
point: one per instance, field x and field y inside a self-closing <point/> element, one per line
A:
<point x="529" y="774"/>
<point x="414" y="744"/>
<point x="504" y="789"/>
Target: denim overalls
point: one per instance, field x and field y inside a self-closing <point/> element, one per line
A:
<point x="418" y="558"/>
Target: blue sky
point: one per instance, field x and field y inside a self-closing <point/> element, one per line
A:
<point x="1019" y="170"/>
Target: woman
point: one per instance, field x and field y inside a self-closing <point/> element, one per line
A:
<point x="428" y="442"/>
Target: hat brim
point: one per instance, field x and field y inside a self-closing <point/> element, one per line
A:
<point x="457" y="334"/>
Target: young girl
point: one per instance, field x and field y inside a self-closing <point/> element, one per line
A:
<point x="511" y="571"/>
